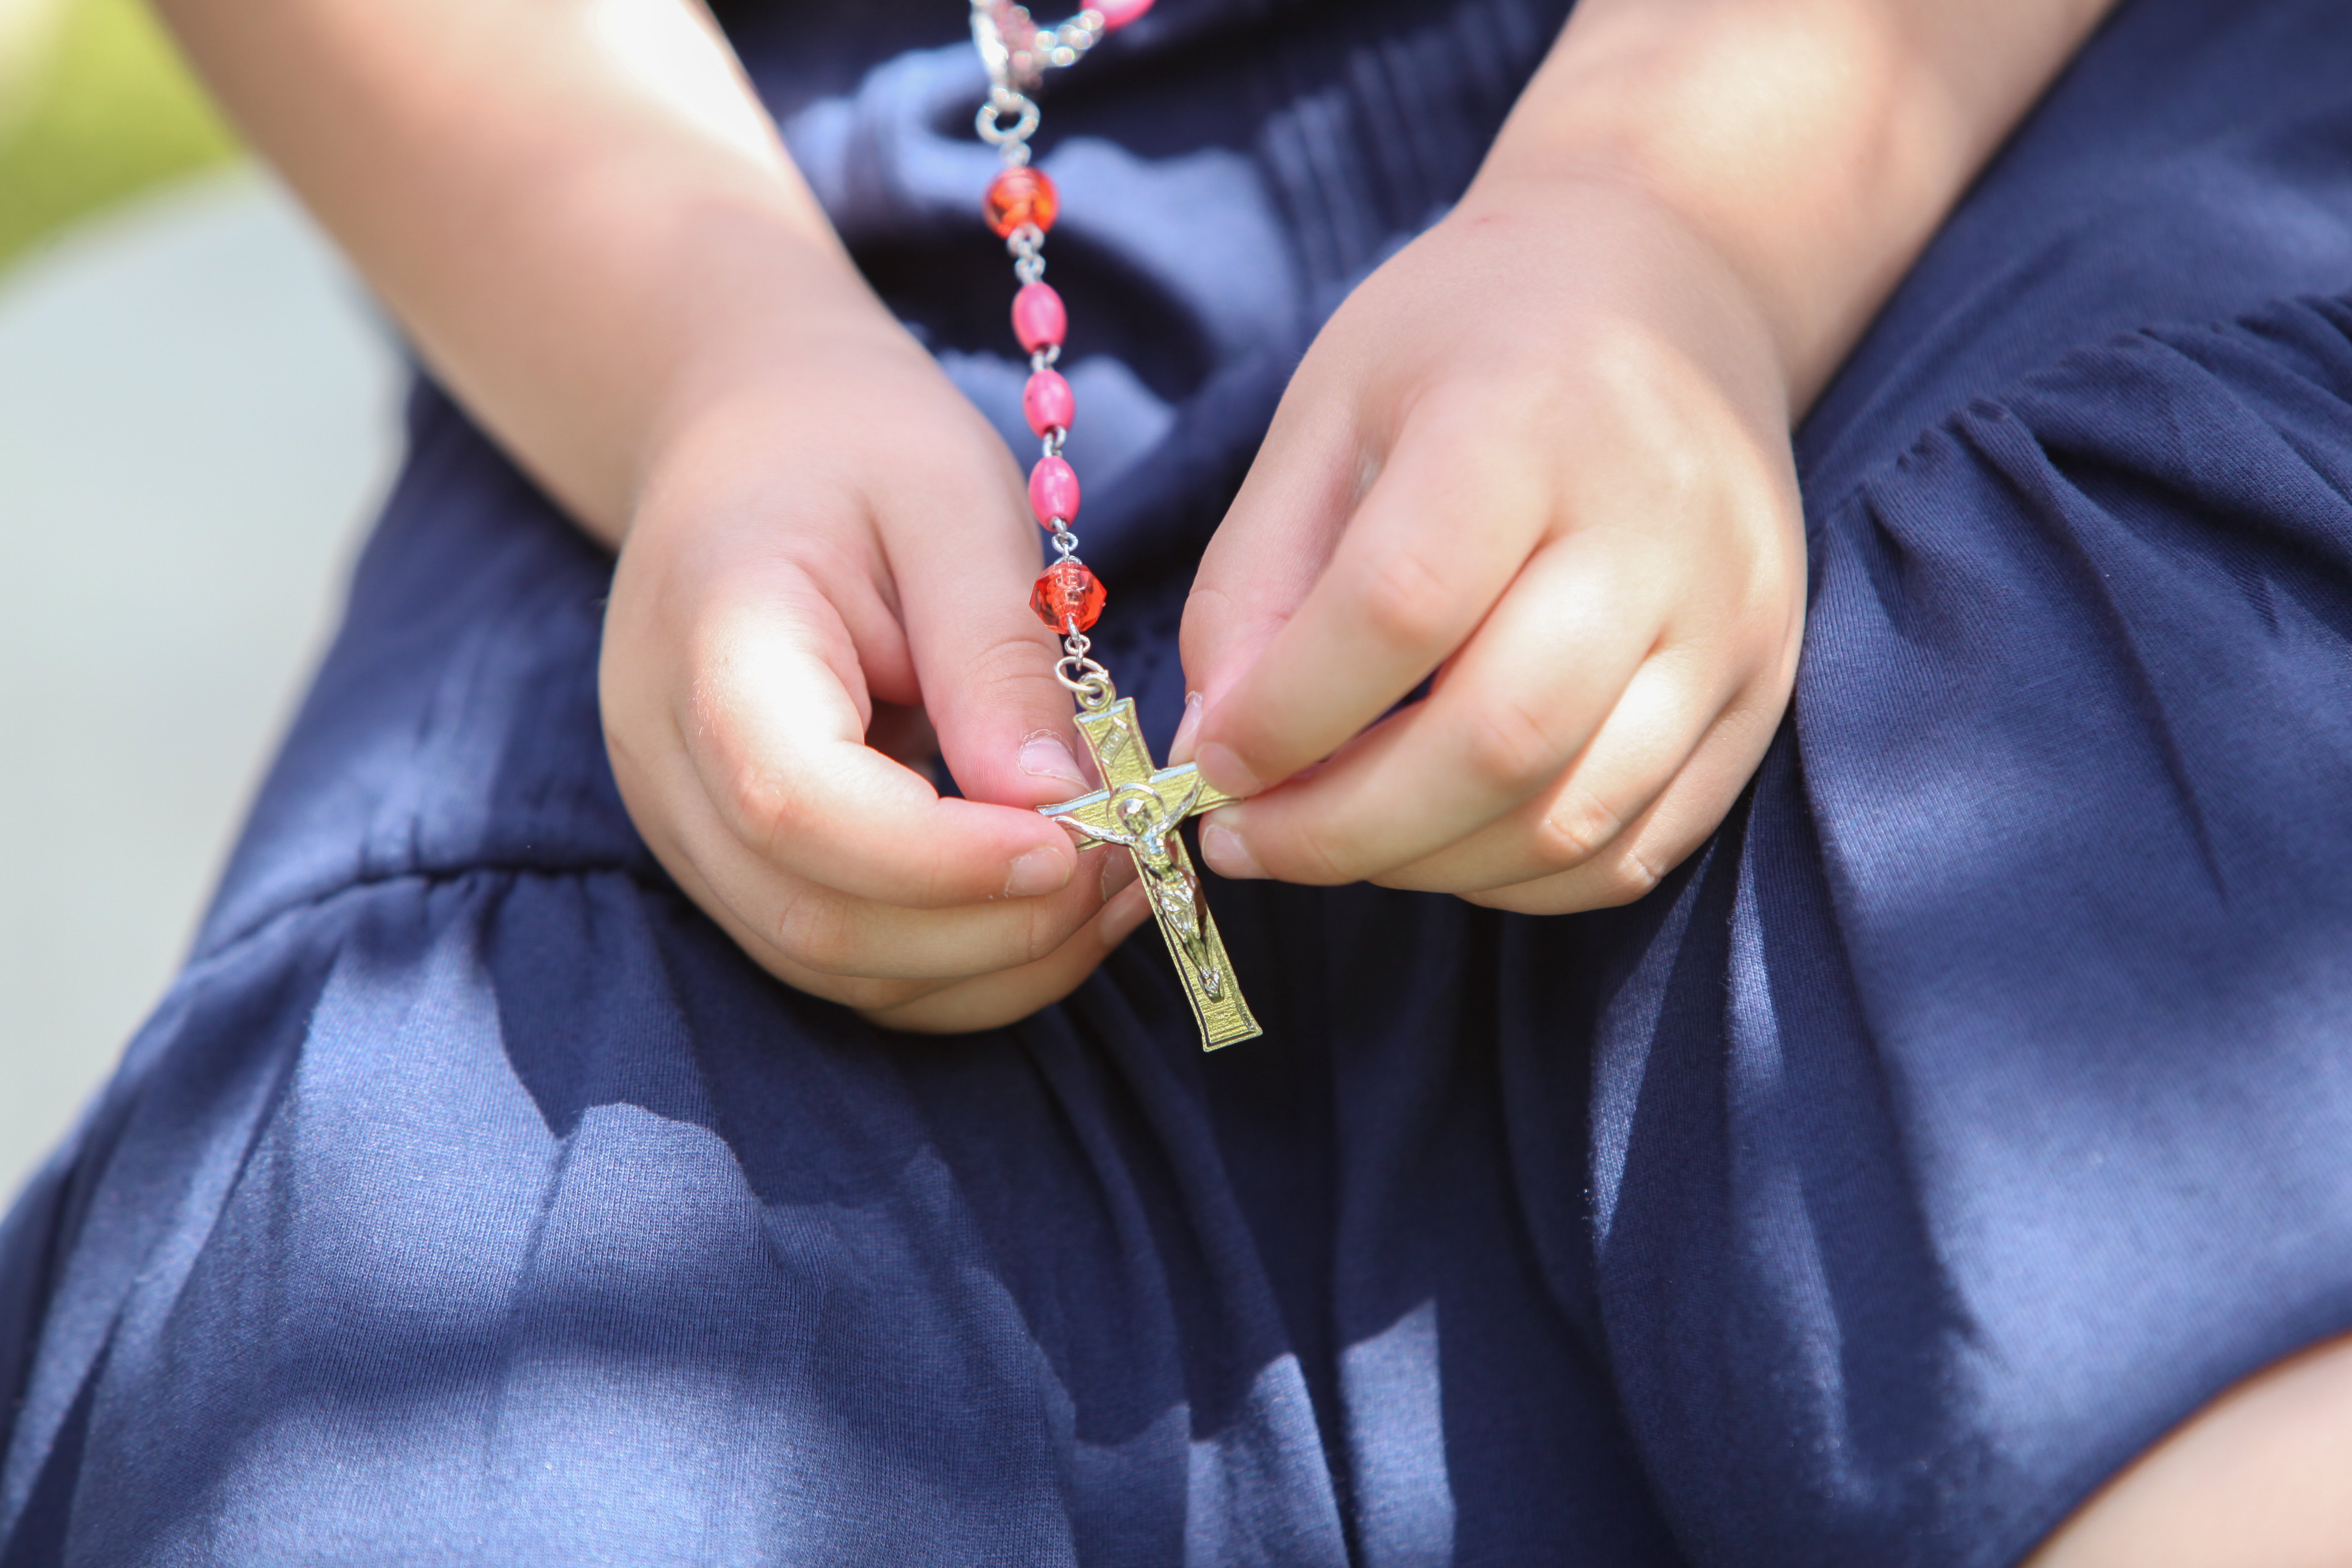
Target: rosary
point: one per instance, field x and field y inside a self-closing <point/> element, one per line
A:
<point x="1140" y="806"/>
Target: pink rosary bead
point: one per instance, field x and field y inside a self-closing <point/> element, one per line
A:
<point x="1118" y="14"/>
<point x="1048" y="402"/>
<point x="1054" y="492"/>
<point x="1039" y="319"/>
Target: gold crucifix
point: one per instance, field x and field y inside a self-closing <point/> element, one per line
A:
<point x="1140" y="807"/>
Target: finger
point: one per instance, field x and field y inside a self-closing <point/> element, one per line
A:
<point x="747" y="934"/>
<point x="1187" y="739"/>
<point x="821" y="930"/>
<point x="1415" y="571"/>
<point x="1667" y="709"/>
<point x="1311" y="472"/>
<point x="1509" y="714"/>
<point x="965" y="563"/>
<point x="777" y="741"/>
<point x="993" y="1000"/>
<point x="841" y="947"/>
<point x="1665" y="833"/>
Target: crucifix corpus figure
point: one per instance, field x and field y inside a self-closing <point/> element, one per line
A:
<point x="1140" y="807"/>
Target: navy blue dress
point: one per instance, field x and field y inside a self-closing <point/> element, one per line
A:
<point x="1970" y="1109"/>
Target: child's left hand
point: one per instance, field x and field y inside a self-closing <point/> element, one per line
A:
<point x="1544" y="455"/>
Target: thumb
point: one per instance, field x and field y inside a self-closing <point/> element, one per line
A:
<point x="1273" y="546"/>
<point x="984" y="658"/>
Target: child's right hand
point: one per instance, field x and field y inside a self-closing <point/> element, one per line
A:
<point x="588" y="225"/>
<point x="823" y="555"/>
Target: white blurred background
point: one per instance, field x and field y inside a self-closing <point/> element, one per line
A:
<point x="197" y="415"/>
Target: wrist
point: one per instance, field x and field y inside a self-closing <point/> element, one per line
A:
<point x="1809" y="260"/>
<point x="806" y="407"/>
<point x="755" y="336"/>
<point x="1656" y="288"/>
<point x="1814" y="144"/>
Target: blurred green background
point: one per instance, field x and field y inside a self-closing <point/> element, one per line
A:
<point x="95" y="105"/>
<point x="199" y="409"/>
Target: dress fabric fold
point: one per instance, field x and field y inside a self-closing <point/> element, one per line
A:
<point x="1964" y="1115"/>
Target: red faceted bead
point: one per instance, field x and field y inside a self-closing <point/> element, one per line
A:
<point x="1021" y="196"/>
<point x="1068" y="591"/>
<point x="1049" y="403"/>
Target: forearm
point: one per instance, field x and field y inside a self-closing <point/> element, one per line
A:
<point x="576" y="208"/>
<point x="1815" y="144"/>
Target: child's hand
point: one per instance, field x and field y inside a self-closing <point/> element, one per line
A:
<point x="1544" y="454"/>
<point x="822" y="559"/>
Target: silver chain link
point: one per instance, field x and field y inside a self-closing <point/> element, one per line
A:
<point x="1018" y="52"/>
<point x="1010" y="141"/>
<point x="1084" y="678"/>
<point x="1028" y="246"/>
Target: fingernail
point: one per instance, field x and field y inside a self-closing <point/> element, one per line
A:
<point x="1227" y="855"/>
<point x="1187" y="732"/>
<point x="1225" y="768"/>
<point x="1038" y="871"/>
<point x="1044" y="756"/>
<point x="1118" y="871"/>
